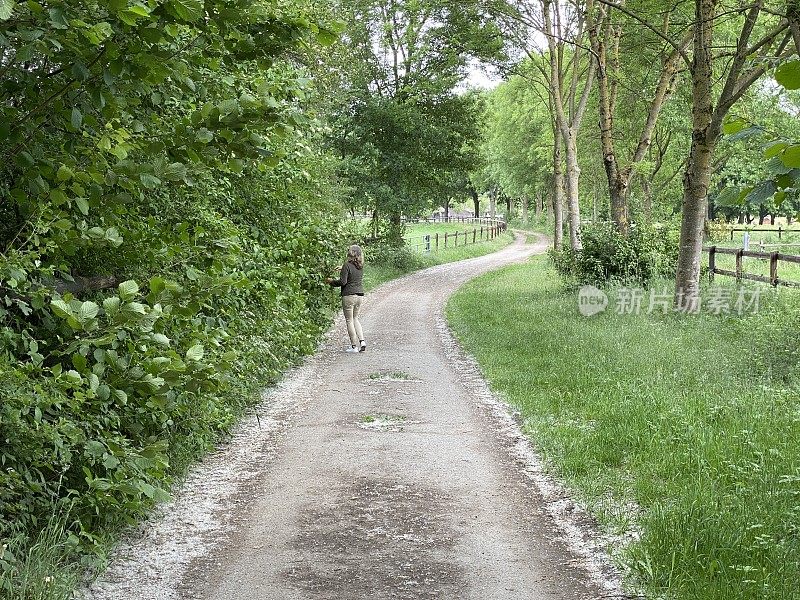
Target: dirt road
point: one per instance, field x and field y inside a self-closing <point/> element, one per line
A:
<point x="387" y="474"/>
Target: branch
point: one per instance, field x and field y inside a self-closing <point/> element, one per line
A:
<point x="666" y="38"/>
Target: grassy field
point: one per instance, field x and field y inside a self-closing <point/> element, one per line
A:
<point x="376" y="274"/>
<point x="415" y="233"/>
<point x="685" y="429"/>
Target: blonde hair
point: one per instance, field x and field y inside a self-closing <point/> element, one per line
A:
<point x="356" y="256"/>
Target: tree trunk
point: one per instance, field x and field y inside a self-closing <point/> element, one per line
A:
<point x="647" y="208"/>
<point x="395" y="235"/>
<point x="558" y="194"/>
<point x="539" y="204"/>
<point x="525" y="209"/>
<point x="573" y="174"/>
<point x="476" y="201"/>
<point x="697" y="178"/>
<point x="493" y="203"/>
<point x="447" y="209"/>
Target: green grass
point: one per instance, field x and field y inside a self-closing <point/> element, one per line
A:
<point x="42" y="570"/>
<point x="416" y="231"/>
<point x="666" y="425"/>
<point x="377" y="274"/>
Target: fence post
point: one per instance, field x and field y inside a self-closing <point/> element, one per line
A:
<point x="732" y="230"/>
<point x="712" y="262"/>
<point x="739" y="265"/>
<point x="780" y="233"/>
<point x="456" y="244"/>
<point x="474" y="234"/>
<point x="445" y="240"/>
<point x="437" y="241"/>
<point x="773" y="269"/>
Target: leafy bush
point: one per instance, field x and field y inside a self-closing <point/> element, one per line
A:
<point x="649" y="252"/>
<point x="163" y="202"/>
<point x="402" y="258"/>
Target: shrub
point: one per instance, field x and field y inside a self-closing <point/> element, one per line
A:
<point x="647" y="253"/>
<point x="401" y="258"/>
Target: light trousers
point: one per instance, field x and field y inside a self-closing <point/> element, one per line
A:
<point x="352" y="306"/>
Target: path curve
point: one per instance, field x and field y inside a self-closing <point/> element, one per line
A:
<point x="392" y="473"/>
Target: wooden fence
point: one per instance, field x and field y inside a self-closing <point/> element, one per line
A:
<point x="774" y="258"/>
<point x="466" y="220"/>
<point x="779" y="230"/>
<point x="433" y="242"/>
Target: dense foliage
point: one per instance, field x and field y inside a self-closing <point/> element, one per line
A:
<point x="406" y="137"/>
<point x="166" y="227"/>
<point x="648" y="252"/>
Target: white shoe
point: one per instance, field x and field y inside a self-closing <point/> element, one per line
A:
<point x="352" y="350"/>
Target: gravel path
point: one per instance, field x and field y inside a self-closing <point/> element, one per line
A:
<point x="392" y="473"/>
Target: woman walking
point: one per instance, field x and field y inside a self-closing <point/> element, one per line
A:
<point x="350" y="280"/>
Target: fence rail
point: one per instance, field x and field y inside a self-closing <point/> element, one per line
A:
<point x="774" y="258"/>
<point x="433" y="242"/>
<point x="779" y="230"/>
<point x="467" y="220"/>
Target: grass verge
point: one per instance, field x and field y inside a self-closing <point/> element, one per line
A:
<point x="378" y="273"/>
<point x="42" y="570"/>
<point x="682" y="428"/>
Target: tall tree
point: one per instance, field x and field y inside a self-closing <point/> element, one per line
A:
<point x="402" y="126"/>
<point x="569" y="73"/>
<point x="608" y="29"/>
<point x="738" y="72"/>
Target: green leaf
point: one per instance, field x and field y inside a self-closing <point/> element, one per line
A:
<point x="64" y="173"/>
<point x="95" y="449"/>
<point x="746" y="133"/>
<point x="761" y="193"/>
<point x="58" y="196"/>
<point x="730" y="196"/>
<point x="76" y="119"/>
<point x="87" y="311"/>
<point x="188" y="10"/>
<point x="147" y="489"/>
<point x="149" y="181"/>
<point x="61" y="308"/>
<point x="6" y="9"/>
<point x="788" y="75"/>
<point x="204" y="136"/>
<point x="791" y="157"/>
<point x="161" y="339"/>
<point x="111" y="305"/>
<point x="327" y="38"/>
<point x="82" y="204"/>
<point x="734" y="125"/>
<point x="175" y="172"/>
<point x="128" y="290"/>
<point x="195" y="353"/>
<point x="73" y="377"/>
<point x="79" y="361"/>
<point x="136" y="308"/>
<point x="774" y="149"/>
